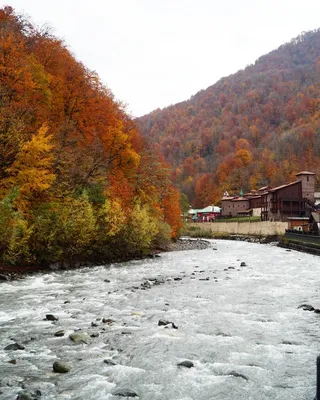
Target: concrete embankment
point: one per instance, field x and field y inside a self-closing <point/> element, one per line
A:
<point x="256" y="228"/>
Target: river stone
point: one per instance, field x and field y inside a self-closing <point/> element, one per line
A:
<point x="163" y="322"/>
<point x="14" y="346"/>
<point x="79" y="337"/>
<point x="243" y="264"/>
<point x="51" y="317"/>
<point x="4" y="277"/>
<point x="238" y="375"/>
<point x="61" y="367"/>
<point x="109" y="362"/>
<point x="25" y="396"/>
<point x="108" y="321"/>
<point x="59" y="333"/>
<point x="186" y="363"/>
<point x="125" y="393"/>
<point x="306" y="307"/>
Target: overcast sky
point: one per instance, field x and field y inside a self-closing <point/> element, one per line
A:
<point x="153" y="53"/>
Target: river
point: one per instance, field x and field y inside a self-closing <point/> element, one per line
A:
<point x="240" y="326"/>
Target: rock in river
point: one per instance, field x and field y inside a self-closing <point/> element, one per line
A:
<point x="186" y="363"/>
<point x="28" y="396"/>
<point x="61" y="367"/>
<point x="14" y="346"/>
<point x="243" y="264"/>
<point x="125" y="393"/>
<point x="51" y="317"/>
<point x="109" y="361"/>
<point x="163" y="322"/>
<point x="79" y="337"/>
<point x="306" y="307"/>
<point x="59" y="333"/>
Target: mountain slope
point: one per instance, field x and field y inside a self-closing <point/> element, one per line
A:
<point x="256" y="127"/>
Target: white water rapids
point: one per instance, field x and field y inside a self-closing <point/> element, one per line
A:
<point x="242" y="328"/>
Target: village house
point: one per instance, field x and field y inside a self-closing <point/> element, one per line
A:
<point x="207" y="214"/>
<point x="295" y="199"/>
<point x="248" y="204"/>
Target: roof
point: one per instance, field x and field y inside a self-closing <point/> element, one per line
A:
<point x="264" y="188"/>
<point x="305" y="173"/>
<point x="283" y="186"/>
<point x="208" y="209"/>
<point x="227" y="198"/>
<point x="240" y="199"/>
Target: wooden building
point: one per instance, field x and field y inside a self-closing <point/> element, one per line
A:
<point x="295" y="199"/>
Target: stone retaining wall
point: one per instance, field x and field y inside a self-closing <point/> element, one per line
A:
<point x="263" y="228"/>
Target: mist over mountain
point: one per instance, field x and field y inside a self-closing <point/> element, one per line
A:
<point x="256" y="127"/>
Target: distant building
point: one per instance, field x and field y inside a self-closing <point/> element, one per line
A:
<point x="295" y="199"/>
<point x="248" y="204"/>
<point x="207" y="214"/>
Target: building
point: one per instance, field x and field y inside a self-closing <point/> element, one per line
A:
<point x="295" y="199"/>
<point x="232" y="206"/>
<point x="207" y="214"/>
<point x="248" y="204"/>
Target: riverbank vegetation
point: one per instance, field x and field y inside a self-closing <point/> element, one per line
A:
<point x="77" y="180"/>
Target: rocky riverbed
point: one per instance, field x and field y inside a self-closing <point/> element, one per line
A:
<point x="233" y="320"/>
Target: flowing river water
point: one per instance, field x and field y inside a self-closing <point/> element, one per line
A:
<point x="240" y="326"/>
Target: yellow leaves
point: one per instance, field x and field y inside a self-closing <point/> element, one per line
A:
<point x="19" y="246"/>
<point x="244" y="157"/>
<point x="141" y="229"/>
<point x="31" y="171"/>
<point x="77" y="224"/>
<point x="113" y="217"/>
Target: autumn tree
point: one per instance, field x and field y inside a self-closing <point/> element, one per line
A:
<point x="31" y="172"/>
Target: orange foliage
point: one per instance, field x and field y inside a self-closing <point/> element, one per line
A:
<point x="91" y="143"/>
<point x="259" y="125"/>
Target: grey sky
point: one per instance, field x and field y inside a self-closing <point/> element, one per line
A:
<point x="153" y="53"/>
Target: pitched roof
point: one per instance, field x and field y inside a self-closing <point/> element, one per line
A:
<point x="305" y="173"/>
<point x="283" y="186"/>
<point x="205" y="210"/>
<point x="240" y="199"/>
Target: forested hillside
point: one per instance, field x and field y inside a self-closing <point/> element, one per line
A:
<point x="77" y="180"/>
<point x="259" y="126"/>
